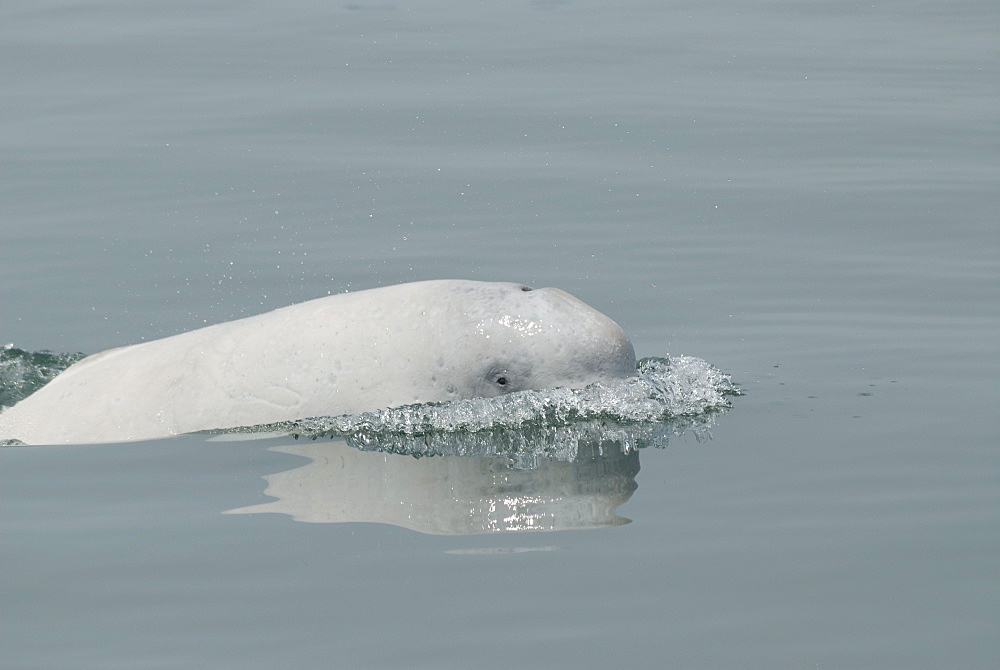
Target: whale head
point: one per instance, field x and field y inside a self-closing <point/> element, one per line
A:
<point x="510" y="337"/>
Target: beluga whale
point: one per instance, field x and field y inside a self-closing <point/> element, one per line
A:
<point x="430" y="341"/>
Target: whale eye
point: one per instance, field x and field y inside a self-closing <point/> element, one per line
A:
<point x="502" y="380"/>
<point x="526" y="288"/>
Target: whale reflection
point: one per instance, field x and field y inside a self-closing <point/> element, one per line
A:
<point x="450" y="494"/>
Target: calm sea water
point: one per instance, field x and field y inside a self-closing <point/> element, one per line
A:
<point x="802" y="193"/>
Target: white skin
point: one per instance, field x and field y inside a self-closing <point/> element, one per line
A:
<point x="343" y="354"/>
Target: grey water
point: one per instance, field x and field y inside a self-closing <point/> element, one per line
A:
<point x="803" y="194"/>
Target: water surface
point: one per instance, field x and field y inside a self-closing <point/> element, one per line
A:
<point x="803" y="194"/>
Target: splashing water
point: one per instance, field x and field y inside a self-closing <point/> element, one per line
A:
<point x="24" y="372"/>
<point x="667" y="398"/>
